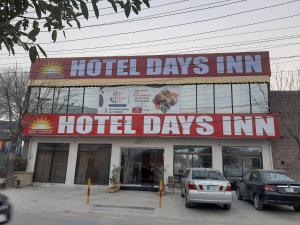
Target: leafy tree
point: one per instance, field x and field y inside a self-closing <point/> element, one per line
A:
<point x="22" y="20"/>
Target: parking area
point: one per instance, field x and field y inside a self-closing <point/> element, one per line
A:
<point x="144" y="204"/>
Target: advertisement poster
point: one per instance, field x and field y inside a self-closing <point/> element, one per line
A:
<point x="139" y="99"/>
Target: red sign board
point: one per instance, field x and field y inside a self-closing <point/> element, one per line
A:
<point x="163" y="125"/>
<point x="154" y="66"/>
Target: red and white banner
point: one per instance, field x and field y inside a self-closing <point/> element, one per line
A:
<point x="153" y="66"/>
<point x="163" y="125"/>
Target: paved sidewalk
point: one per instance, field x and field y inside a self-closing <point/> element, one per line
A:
<point x="143" y="204"/>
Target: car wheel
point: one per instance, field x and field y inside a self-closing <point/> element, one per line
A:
<point x="227" y="206"/>
<point x="188" y="204"/>
<point x="297" y="208"/>
<point x="258" y="204"/>
<point x="238" y="194"/>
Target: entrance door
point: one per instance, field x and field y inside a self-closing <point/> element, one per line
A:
<point x="51" y="163"/>
<point x="141" y="166"/>
<point x="93" y="161"/>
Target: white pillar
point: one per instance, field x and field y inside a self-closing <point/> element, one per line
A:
<point x="168" y="161"/>
<point x="115" y="158"/>
<point x="217" y="158"/>
<point x="267" y="157"/>
<point x="32" y="155"/>
<point x="71" y="167"/>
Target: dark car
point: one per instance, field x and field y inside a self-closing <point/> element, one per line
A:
<point x="5" y="209"/>
<point x="269" y="187"/>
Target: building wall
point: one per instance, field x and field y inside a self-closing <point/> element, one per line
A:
<point x="286" y="153"/>
<point x="163" y="143"/>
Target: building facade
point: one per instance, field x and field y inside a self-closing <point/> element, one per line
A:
<point x="147" y="115"/>
<point x="286" y="150"/>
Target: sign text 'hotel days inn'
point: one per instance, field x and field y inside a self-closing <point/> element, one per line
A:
<point x="161" y="66"/>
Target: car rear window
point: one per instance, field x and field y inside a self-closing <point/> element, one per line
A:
<point x="207" y="175"/>
<point x="275" y="176"/>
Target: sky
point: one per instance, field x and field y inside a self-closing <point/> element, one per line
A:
<point x="182" y="27"/>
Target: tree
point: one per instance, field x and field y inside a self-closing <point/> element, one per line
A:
<point x="285" y="100"/>
<point x="21" y="21"/>
<point x="16" y="101"/>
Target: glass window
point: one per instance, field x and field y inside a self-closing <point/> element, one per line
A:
<point x="93" y="161"/>
<point x="241" y="98"/>
<point x="239" y="160"/>
<point x="259" y="98"/>
<point x="46" y="100"/>
<point x="207" y="175"/>
<point x="75" y="100"/>
<point x="191" y="157"/>
<point x="51" y="162"/>
<point x="33" y="99"/>
<point x="223" y="98"/>
<point x="60" y="100"/>
<point x="188" y="99"/>
<point x="205" y="98"/>
<point x="271" y="176"/>
<point x="91" y="99"/>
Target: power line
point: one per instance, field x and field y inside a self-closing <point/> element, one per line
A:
<point x="158" y="15"/>
<point x="178" y="25"/>
<point x="170" y="38"/>
<point x="209" y="47"/>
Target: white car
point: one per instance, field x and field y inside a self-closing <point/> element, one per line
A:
<point x="203" y="185"/>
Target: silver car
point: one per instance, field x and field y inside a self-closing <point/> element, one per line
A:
<point x="202" y="185"/>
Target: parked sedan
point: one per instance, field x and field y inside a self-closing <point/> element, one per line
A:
<point x="202" y="185"/>
<point x="269" y="187"/>
<point x="5" y="209"/>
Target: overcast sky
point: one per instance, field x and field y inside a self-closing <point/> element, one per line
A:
<point x="183" y="26"/>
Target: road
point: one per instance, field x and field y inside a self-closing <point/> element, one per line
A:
<point x="31" y="218"/>
<point x="210" y="216"/>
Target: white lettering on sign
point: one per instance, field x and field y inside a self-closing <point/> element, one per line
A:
<point x="101" y="123"/>
<point x="78" y="68"/>
<point x="239" y="64"/>
<point x="170" y="125"/>
<point x="66" y="125"/>
<point x="154" y="66"/>
<point x="253" y="65"/>
<point x="227" y="125"/>
<point x="201" y="67"/>
<point x="93" y="68"/>
<point x="109" y="66"/>
<point x="84" y="124"/>
<point x="186" y="123"/>
<point x="184" y="64"/>
<point x="170" y="66"/>
<point x="128" y="126"/>
<point x="151" y="125"/>
<point x="243" y="126"/>
<point x="259" y="126"/>
<point x="234" y="64"/>
<point x="204" y="127"/>
<point x="116" y="125"/>
<point x="264" y="126"/>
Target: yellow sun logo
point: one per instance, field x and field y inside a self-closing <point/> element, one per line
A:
<point x="52" y="70"/>
<point x="41" y="125"/>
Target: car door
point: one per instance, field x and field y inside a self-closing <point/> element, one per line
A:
<point x="183" y="179"/>
<point x="251" y="185"/>
<point x="242" y="184"/>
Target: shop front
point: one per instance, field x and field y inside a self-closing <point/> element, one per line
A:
<point x="153" y="121"/>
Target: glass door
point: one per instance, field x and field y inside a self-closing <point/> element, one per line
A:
<point x="140" y="166"/>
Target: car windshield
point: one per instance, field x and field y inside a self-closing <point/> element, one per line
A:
<point x="207" y="175"/>
<point x="275" y="176"/>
